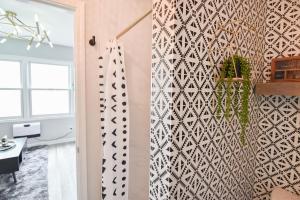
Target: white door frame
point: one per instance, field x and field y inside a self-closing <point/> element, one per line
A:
<point x="80" y="109"/>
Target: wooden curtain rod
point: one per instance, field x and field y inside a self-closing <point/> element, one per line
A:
<point x="133" y="24"/>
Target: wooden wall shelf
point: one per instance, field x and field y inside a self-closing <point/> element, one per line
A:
<point x="234" y="79"/>
<point x="278" y="88"/>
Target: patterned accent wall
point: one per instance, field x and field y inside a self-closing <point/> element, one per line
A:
<point x="195" y="155"/>
<point x="279" y="117"/>
<point x="161" y="99"/>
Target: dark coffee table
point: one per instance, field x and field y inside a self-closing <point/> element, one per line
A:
<point x="11" y="159"/>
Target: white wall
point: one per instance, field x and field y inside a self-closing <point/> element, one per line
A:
<point x="93" y="139"/>
<point x="18" y="47"/>
<point x="104" y="19"/>
<point x="50" y="128"/>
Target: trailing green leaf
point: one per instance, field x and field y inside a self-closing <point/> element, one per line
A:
<point x="220" y="84"/>
<point x="230" y="71"/>
<point x="244" y="114"/>
<point x="236" y="99"/>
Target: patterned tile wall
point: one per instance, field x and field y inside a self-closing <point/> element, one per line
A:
<point x="161" y="99"/>
<point x="278" y="157"/>
<point x="195" y="155"/>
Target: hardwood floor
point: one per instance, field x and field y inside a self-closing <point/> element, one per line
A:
<point x="62" y="172"/>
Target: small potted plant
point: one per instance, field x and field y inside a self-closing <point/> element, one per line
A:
<point x="235" y="67"/>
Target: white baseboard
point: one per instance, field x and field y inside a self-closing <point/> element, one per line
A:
<point x="33" y="142"/>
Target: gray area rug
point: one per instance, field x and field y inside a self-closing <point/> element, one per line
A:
<point x="32" y="178"/>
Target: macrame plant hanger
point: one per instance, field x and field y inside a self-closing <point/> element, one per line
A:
<point x="237" y="27"/>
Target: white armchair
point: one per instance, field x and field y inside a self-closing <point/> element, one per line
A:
<point x="281" y="194"/>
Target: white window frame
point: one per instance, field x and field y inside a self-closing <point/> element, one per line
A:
<point x="26" y="88"/>
<point x="70" y="90"/>
<point x="21" y="89"/>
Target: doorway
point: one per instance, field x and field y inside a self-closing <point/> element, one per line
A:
<point x="46" y="96"/>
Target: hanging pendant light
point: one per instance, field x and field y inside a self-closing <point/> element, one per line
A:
<point x="36" y="33"/>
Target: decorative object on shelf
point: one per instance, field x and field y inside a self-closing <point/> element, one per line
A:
<point x="6" y="144"/>
<point x="19" y="30"/>
<point x="4" y="140"/>
<point x="285" y="69"/>
<point x="235" y="67"/>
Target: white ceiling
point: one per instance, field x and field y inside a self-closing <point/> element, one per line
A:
<point x="59" y="21"/>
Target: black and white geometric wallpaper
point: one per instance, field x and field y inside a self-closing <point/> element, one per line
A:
<point x="278" y="158"/>
<point x="195" y="155"/>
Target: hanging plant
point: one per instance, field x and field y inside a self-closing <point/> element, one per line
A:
<point x="235" y="67"/>
<point x="244" y="113"/>
<point x="229" y="73"/>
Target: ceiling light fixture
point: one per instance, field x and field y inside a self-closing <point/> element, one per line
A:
<point x="19" y="30"/>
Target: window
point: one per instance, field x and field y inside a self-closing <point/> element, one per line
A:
<point x="51" y="89"/>
<point x="29" y="89"/>
<point x="10" y="89"/>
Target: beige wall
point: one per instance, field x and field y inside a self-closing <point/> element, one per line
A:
<point x="92" y="8"/>
<point x="105" y="18"/>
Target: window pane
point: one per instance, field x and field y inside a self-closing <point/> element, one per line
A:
<point x="10" y="75"/>
<point x="10" y="103"/>
<point x="47" y="102"/>
<point x="49" y="76"/>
